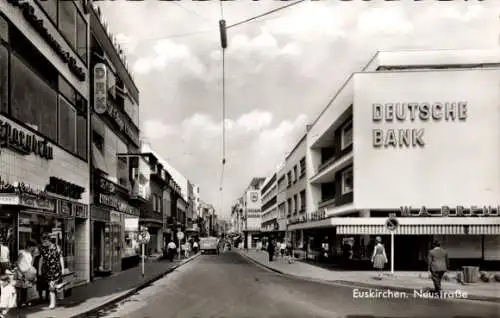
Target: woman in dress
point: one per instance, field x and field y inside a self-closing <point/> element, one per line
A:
<point x="379" y="258"/>
<point x="51" y="265"/>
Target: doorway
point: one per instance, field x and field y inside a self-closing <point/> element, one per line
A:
<point x="116" y="247"/>
<point x="97" y="247"/>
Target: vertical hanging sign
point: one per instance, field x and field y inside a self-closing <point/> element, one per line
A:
<point x="100" y="93"/>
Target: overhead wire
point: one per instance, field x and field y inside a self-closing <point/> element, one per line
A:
<point x="223" y="121"/>
<point x="265" y="13"/>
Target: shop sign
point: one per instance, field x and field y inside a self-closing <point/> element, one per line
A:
<point x="24" y="143"/>
<point x="117" y="204"/>
<point x="80" y="210"/>
<point x="100" y="92"/>
<point x="64" y="188"/>
<point x="318" y="215"/>
<point x="9" y="199"/>
<point x="38" y="203"/>
<point x="106" y="186"/>
<point x="451" y="211"/>
<point x="64" y="207"/>
<point x="115" y="217"/>
<point x="28" y="12"/>
<point x="119" y="119"/>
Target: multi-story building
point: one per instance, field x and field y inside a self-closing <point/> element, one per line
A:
<point x="196" y="200"/>
<point x="116" y="192"/>
<point x="237" y="217"/>
<point x="295" y="173"/>
<point x="170" y="197"/>
<point x="44" y="105"/>
<point x="281" y="187"/>
<point x="407" y="125"/>
<point x="269" y="208"/>
<point x="252" y="212"/>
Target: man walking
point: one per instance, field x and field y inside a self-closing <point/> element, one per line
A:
<point x="270" y="250"/>
<point x="438" y="265"/>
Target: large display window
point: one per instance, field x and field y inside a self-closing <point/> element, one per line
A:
<point x="62" y="230"/>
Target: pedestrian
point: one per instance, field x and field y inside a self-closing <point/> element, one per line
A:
<point x="289" y="252"/>
<point x="25" y="273"/>
<point x="4" y="257"/>
<point x="282" y="249"/>
<point x="195" y="247"/>
<point x="7" y="293"/>
<point x="51" y="266"/>
<point x="41" y="283"/>
<point x="379" y="258"/>
<point x="438" y="265"/>
<point x="171" y="249"/>
<point x="270" y="250"/>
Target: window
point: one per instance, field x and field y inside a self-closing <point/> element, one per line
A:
<point x="111" y="84"/>
<point x="154" y="202"/>
<point x="81" y="37"/>
<point x="289" y="204"/>
<point x="4" y="79"/>
<point x="347" y="135"/>
<point x="289" y="178"/>
<point x="302" y="167"/>
<point x="347" y="181"/>
<point x="295" y="204"/>
<point x="302" y="200"/>
<point x="66" y="90"/>
<point x="67" y="125"/>
<point x="32" y="100"/>
<point x="295" y="174"/>
<point x="132" y="110"/>
<point x="67" y="21"/>
<point x="81" y="136"/>
<point x="4" y="29"/>
<point x="50" y="8"/>
<point x="158" y="204"/>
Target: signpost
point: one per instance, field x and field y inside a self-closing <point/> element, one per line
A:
<point x="180" y="237"/>
<point x="392" y="224"/>
<point x="143" y="238"/>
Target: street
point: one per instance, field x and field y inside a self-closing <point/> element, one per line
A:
<point x="229" y="285"/>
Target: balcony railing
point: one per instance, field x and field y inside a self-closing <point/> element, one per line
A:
<point x="326" y="202"/>
<point x="325" y="164"/>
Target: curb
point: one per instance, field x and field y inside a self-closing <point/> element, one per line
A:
<point x="365" y="285"/>
<point x="135" y="289"/>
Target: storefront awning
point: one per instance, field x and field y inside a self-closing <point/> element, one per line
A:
<point x="410" y="226"/>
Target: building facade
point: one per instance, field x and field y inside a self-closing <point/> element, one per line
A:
<point x="252" y="212"/>
<point x="44" y="105"/>
<point x="295" y="178"/>
<point x="269" y="208"/>
<point x="116" y="188"/>
<point x="380" y="149"/>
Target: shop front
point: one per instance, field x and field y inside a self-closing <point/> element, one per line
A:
<point x="114" y="247"/>
<point x="43" y="189"/>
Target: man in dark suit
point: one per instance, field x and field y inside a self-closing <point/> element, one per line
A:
<point x="438" y="265"/>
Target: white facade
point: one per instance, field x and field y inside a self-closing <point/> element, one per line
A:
<point x="269" y="203"/>
<point x="196" y="199"/>
<point x="180" y="179"/>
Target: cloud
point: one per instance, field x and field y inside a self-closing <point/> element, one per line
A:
<point x="155" y="129"/>
<point x="170" y="54"/>
<point x="388" y="20"/>
<point x="256" y="120"/>
<point x="127" y="43"/>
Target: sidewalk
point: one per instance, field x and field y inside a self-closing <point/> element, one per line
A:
<point x="402" y="281"/>
<point x="104" y="291"/>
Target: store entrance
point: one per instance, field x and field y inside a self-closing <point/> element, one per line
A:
<point x="116" y="247"/>
<point x="97" y="247"/>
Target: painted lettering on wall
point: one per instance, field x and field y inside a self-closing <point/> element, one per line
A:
<point x="404" y="112"/>
<point x="117" y="204"/>
<point x="23" y="142"/>
<point x="445" y="210"/>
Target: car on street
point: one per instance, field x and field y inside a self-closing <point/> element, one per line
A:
<point x="209" y="245"/>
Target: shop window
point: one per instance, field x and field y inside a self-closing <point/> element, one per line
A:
<point x="347" y="135"/>
<point x="347" y="181"/>
<point x="32" y="101"/>
<point x="4" y="79"/>
<point x="4" y="29"/>
<point x="67" y="21"/>
<point x="50" y="8"/>
<point x="81" y="37"/>
<point x="62" y="231"/>
<point x="67" y="125"/>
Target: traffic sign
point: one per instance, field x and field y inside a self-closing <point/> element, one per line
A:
<point x="180" y="235"/>
<point x="143" y="237"/>
<point x="392" y="224"/>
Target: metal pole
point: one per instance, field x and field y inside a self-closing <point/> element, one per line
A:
<point x="142" y="252"/>
<point x="392" y="252"/>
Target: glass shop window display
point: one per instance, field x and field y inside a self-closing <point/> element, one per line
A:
<point x="62" y="232"/>
<point x="7" y="233"/>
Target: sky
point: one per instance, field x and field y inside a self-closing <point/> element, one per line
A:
<point x="281" y="70"/>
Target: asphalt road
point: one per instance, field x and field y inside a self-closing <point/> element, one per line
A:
<point x="230" y="286"/>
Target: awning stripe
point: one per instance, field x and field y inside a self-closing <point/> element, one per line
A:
<point x="485" y="229"/>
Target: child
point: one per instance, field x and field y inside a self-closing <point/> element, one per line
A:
<point x="8" y="294"/>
